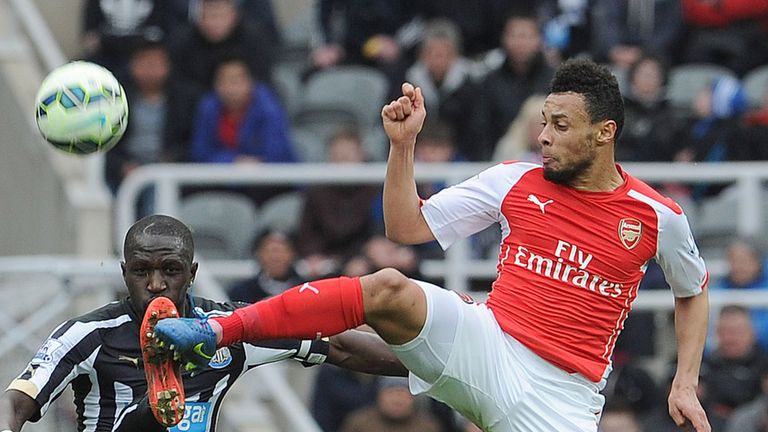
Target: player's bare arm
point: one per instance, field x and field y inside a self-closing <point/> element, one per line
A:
<point x="403" y="119"/>
<point x="364" y="352"/>
<point x="691" y="314"/>
<point x="15" y="409"/>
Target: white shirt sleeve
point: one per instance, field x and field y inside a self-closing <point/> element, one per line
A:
<point x="472" y="205"/>
<point x="679" y="257"/>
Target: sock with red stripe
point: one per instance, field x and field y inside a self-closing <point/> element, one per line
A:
<point x="308" y="311"/>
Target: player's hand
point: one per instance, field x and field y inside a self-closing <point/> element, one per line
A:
<point x="686" y="410"/>
<point x="404" y="117"/>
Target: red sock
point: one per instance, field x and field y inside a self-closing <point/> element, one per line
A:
<point x="309" y="311"/>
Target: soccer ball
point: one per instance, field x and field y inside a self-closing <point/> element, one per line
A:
<point x="81" y="108"/>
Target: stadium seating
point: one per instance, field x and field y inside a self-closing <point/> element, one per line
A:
<point x="686" y="80"/>
<point x="222" y="223"/>
<point x="756" y="86"/>
<point x="282" y="213"/>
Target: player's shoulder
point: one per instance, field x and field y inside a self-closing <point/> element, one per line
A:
<point x="211" y="307"/>
<point x="510" y="169"/>
<point x="109" y="316"/>
<point x="642" y="191"/>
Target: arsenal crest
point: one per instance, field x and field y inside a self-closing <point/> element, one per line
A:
<point x="630" y="232"/>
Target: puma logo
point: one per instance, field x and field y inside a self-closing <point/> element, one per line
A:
<point x="534" y="199"/>
<point x="134" y="360"/>
<point x="307" y="286"/>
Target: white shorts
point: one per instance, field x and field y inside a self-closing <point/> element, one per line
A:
<point x="464" y="359"/>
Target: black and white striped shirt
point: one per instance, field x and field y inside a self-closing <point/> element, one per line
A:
<point x="99" y="355"/>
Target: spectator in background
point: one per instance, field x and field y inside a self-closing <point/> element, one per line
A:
<point x="521" y="142"/>
<point x="710" y="135"/>
<point x="361" y="32"/>
<point x="275" y="255"/>
<point x="161" y="116"/>
<point x="258" y="13"/>
<point x="219" y="30"/>
<point x="325" y="241"/>
<point x="617" y="417"/>
<point x="241" y="121"/>
<point x="752" y="416"/>
<point x="567" y="28"/>
<point x="339" y="392"/>
<point x="748" y="269"/>
<point x="753" y="142"/>
<point x="445" y="78"/>
<point x="395" y="410"/>
<point x="649" y="121"/>
<point x="731" y="33"/>
<point x="731" y="374"/>
<point x="112" y="28"/>
<point x="523" y="73"/>
<point x="626" y="29"/>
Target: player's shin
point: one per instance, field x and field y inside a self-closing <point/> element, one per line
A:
<point x="308" y="311"/>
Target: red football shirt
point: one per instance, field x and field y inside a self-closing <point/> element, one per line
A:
<point x="570" y="261"/>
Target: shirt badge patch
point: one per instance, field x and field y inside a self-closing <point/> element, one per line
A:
<point x="46" y="352"/>
<point x="221" y="359"/>
<point x="630" y="232"/>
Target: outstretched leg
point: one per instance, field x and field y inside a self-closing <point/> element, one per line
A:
<point x="389" y="302"/>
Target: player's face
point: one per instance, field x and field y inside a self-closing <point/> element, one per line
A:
<point x="568" y="147"/>
<point x="158" y="266"/>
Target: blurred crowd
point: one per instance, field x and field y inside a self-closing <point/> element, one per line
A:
<point x="224" y="81"/>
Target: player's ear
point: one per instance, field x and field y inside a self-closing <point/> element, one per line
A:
<point x="606" y="132"/>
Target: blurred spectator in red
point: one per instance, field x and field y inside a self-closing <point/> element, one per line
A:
<point x="275" y="255"/>
<point x="395" y="410"/>
<point x="650" y="124"/>
<point x="241" y="121"/>
<point x="626" y="29"/>
<point x="730" y="376"/>
<point x="325" y="242"/>
<point x="112" y="28"/>
<point x="502" y="93"/>
<point x="731" y="33"/>
<point x="521" y="142"/>
<point x="219" y="30"/>
<point x="445" y="78"/>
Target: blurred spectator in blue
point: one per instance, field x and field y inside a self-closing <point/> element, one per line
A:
<point x="730" y="375"/>
<point x="752" y="416"/>
<point x="219" y="30"/>
<point x="626" y="29"/>
<point x="731" y="33"/>
<point x="649" y="119"/>
<point x="161" y="117"/>
<point x="445" y="78"/>
<point x="710" y="135"/>
<point x="361" y="32"/>
<point x="112" y="28"/>
<point x="325" y="242"/>
<point x="338" y="392"/>
<point x="395" y="410"/>
<point x="567" y="28"/>
<point x="748" y="270"/>
<point x="753" y="141"/>
<point x="521" y="142"/>
<point x="502" y="93"/>
<point x="275" y="255"/>
<point x="241" y="121"/>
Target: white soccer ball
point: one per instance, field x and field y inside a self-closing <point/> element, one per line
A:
<point x="81" y="108"/>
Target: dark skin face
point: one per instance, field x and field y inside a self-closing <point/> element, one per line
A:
<point x="157" y="266"/>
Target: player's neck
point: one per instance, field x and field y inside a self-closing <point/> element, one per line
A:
<point x="602" y="176"/>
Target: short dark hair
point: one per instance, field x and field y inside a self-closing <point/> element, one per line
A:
<point x="160" y="225"/>
<point x="597" y="85"/>
<point x="733" y="309"/>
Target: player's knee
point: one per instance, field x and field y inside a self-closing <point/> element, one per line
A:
<point x="387" y="289"/>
